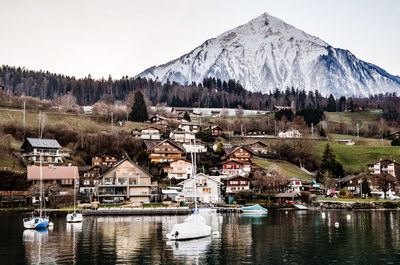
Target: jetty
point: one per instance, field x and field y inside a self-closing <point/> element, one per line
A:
<point x="138" y="211"/>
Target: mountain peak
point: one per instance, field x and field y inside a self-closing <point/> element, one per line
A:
<point x="267" y="53"/>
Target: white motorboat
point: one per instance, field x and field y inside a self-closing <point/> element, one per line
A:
<point x="195" y="225"/>
<point x="74" y="217"/>
<point x="40" y="222"/>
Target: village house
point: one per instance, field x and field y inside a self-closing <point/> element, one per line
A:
<point x="295" y="185"/>
<point x="352" y="184"/>
<point x="207" y="189"/>
<point x="237" y="184"/>
<point x="182" y="136"/>
<point x="48" y="149"/>
<point x="189" y="127"/>
<point x="196" y="147"/>
<point x="224" y="146"/>
<point x="104" y="160"/>
<point x="180" y="169"/>
<point x="158" y="119"/>
<point x="240" y="154"/>
<point x="279" y="108"/>
<point x="150" y="133"/>
<point x="126" y="181"/>
<point x="164" y="151"/>
<point x="63" y="176"/>
<point x="89" y="177"/>
<point x="255" y="133"/>
<point x="258" y="147"/>
<point x="290" y="134"/>
<point x="235" y="168"/>
<point x="385" y="166"/>
<point x="216" y="130"/>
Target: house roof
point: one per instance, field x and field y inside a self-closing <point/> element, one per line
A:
<point x="238" y="177"/>
<point x="190" y="123"/>
<point x="177" y="145"/>
<point x="384" y="162"/>
<point x="52" y="172"/>
<point x="41" y="143"/>
<point x="348" y="178"/>
<point x="150" y="143"/>
<point x="256" y="142"/>
<point x="152" y="127"/>
<point x="200" y="175"/>
<point x="158" y="116"/>
<point x="229" y="151"/>
<point x="105" y="154"/>
<point x="111" y="169"/>
<point x="216" y="127"/>
<point x="287" y="195"/>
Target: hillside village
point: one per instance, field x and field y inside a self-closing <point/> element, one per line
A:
<point x="238" y="160"/>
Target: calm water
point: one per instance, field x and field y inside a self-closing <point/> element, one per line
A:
<point x="295" y="237"/>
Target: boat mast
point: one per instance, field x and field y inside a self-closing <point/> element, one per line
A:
<point x="74" y="193"/>
<point x="41" y="186"/>
<point x="193" y="156"/>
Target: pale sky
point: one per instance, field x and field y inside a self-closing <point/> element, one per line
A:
<point x="122" y="37"/>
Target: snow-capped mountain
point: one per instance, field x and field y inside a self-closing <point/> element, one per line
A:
<point x="266" y="53"/>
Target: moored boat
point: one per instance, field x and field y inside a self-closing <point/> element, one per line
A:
<point x="254" y="209"/>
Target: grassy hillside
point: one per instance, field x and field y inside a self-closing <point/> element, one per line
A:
<point x="76" y="122"/>
<point x="290" y="169"/>
<point x="355" y="158"/>
<point x="349" y="117"/>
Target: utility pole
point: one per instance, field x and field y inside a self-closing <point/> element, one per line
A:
<point x="312" y="130"/>
<point x="358" y="131"/>
<point x="112" y="121"/>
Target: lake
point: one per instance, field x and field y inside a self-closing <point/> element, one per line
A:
<point x="292" y="237"/>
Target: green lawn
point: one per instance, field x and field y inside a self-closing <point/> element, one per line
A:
<point x="355" y="158"/>
<point x="290" y="169"/>
<point x="11" y="162"/>
<point x="348" y="117"/>
<point x="362" y="141"/>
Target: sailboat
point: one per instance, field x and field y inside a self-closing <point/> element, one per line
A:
<point x="195" y="225"/>
<point x="74" y="217"/>
<point x="42" y="221"/>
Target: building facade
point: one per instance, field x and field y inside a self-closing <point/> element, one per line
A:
<point x="48" y="149"/>
<point x="180" y="169"/>
<point x="164" y="151"/>
<point x="237" y="184"/>
<point x="206" y="190"/>
<point x="126" y="181"/>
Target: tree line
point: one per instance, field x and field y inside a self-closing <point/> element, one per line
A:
<point x="211" y="93"/>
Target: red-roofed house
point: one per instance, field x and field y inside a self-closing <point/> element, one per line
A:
<point x="60" y="175"/>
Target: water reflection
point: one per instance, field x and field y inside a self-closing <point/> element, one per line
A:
<point x="295" y="237"/>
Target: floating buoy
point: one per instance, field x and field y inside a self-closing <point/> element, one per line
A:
<point x="337" y="224"/>
<point x="51" y="225"/>
<point x="286" y="212"/>
<point x="323" y="215"/>
<point x="348" y="217"/>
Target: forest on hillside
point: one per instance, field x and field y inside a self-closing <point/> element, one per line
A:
<point x="211" y="93"/>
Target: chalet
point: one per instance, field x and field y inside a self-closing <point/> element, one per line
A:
<point x="48" y="149"/>
<point x="258" y="147"/>
<point x="182" y="136"/>
<point x="206" y="190"/>
<point x="126" y="181"/>
<point x="189" y="127"/>
<point x="295" y="185"/>
<point x="180" y="169"/>
<point x="237" y="184"/>
<point x="255" y="133"/>
<point x="164" y="151"/>
<point x="235" y="168"/>
<point x="151" y="133"/>
<point x="104" y="160"/>
<point x="89" y="177"/>
<point x="158" y="119"/>
<point x="63" y="176"/>
<point x="385" y="166"/>
<point x="216" y="130"/>
<point x="350" y="183"/>
<point x="240" y="154"/>
<point x="290" y="134"/>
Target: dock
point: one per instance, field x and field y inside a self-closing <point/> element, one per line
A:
<point x="138" y="211"/>
<point x="300" y="207"/>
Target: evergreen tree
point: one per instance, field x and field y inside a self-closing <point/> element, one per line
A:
<point x="329" y="166"/>
<point x="139" y="109"/>
<point x="186" y="116"/>
<point x="365" y="186"/>
<point x="331" y="104"/>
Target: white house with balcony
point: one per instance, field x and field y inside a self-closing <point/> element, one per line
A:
<point x="49" y="149"/>
<point x="126" y="181"/>
<point x="182" y="136"/>
<point x="193" y="127"/>
<point x="290" y="134"/>
<point x="180" y="169"/>
<point x="206" y="190"/>
<point x="150" y="133"/>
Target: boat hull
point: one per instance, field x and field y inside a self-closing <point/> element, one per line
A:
<point x="193" y="227"/>
<point x="36" y="223"/>
<point x="254" y="212"/>
<point x="74" y="218"/>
